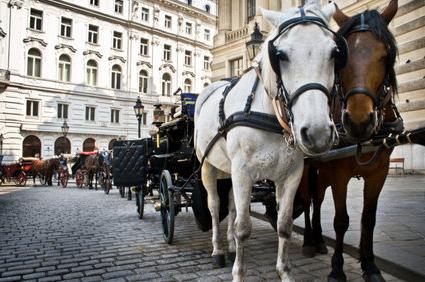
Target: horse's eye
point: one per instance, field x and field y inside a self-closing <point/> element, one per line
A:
<point x="335" y="53"/>
<point x="282" y="56"/>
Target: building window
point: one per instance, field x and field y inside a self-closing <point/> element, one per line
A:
<point x="119" y="6"/>
<point x="90" y="113"/>
<point x="166" y="84"/>
<point x="32" y="108"/>
<point x="34" y="63"/>
<point x="189" y="2"/>
<point x="206" y="63"/>
<point x="115" y="116"/>
<point x="207" y="35"/>
<point x="66" y="27"/>
<point x="251" y="9"/>
<point x="236" y="67"/>
<point x="94" y="3"/>
<point x="207" y="8"/>
<point x="93" y="34"/>
<point x="143" y="82"/>
<point x="145" y="14"/>
<point x="188" y="28"/>
<point x="187" y="85"/>
<point x="91" y="73"/>
<point x="144" y="118"/>
<point x="36" y="19"/>
<point x="167" y="21"/>
<point x="167" y="52"/>
<point x="31" y="146"/>
<point x="62" y="146"/>
<point x="116" y="42"/>
<point x="188" y="58"/>
<point x="144" y="45"/>
<point x="62" y="110"/>
<point x="64" y="69"/>
<point x="116" y="77"/>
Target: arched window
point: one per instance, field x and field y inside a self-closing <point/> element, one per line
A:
<point x="64" y="69"/>
<point x="111" y="144"/>
<point x="116" y="77"/>
<point x="34" y="63"/>
<point x="62" y="146"/>
<point x="143" y="82"/>
<point x="187" y="85"/>
<point x="91" y="73"/>
<point x="31" y="146"/>
<point x="166" y="84"/>
<point x="89" y="145"/>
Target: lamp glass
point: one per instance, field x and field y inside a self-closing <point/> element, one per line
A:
<point x="65" y="128"/>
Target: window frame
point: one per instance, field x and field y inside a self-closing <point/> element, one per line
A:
<point x="35" y="59"/>
<point x="36" y="20"/>
<point x="188" y="58"/>
<point x="187" y="87"/>
<point x="31" y="103"/>
<point x="207" y="65"/>
<point x="60" y="114"/>
<point x="117" y="40"/>
<point x="166" y="85"/>
<point x="168" y="21"/>
<point x="92" y="75"/>
<point x="119" y="6"/>
<point x="145" y="14"/>
<point x="116" y="76"/>
<point x="144" y="46"/>
<point x="115" y="116"/>
<point x="62" y="67"/>
<point x="93" y="34"/>
<point x="166" y="56"/>
<point x="94" y="3"/>
<point x="143" y="82"/>
<point x="207" y="34"/>
<point x="188" y="28"/>
<point x="238" y="71"/>
<point x="90" y="114"/>
<point x="66" y="28"/>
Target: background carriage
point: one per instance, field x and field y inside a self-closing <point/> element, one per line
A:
<point x="14" y="172"/>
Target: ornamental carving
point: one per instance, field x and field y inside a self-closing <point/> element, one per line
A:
<point x="141" y="63"/>
<point x="170" y="66"/>
<point x="2" y="33"/>
<point x="89" y="52"/>
<point x="63" y="46"/>
<point x="114" y="57"/>
<point x="31" y="39"/>
<point x="16" y="3"/>
<point x="188" y="73"/>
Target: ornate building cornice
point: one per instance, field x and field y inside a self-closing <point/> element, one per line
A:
<point x="170" y="66"/>
<point x="16" y="3"/>
<point x="63" y="46"/>
<point x="115" y="57"/>
<point x="141" y="63"/>
<point x="189" y="73"/>
<point x="39" y="40"/>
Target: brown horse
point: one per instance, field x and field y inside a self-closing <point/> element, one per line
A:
<point x="365" y="110"/>
<point x="45" y="169"/>
<point x="93" y="164"/>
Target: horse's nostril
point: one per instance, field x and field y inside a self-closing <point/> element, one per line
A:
<point x="305" y="137"/>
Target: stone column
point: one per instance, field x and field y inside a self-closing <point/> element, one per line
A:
<point x="224" y="15"/>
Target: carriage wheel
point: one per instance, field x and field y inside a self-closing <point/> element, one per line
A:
<point x="20" y="179"/>
<point x="63" y="177"/>
<point x="140" y="203"/>
<point x="167" y="206"/>
<point x="79" y="178"/>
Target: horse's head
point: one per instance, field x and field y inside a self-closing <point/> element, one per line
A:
<point x="369" y="73"/>
<point x="298" y="66"/>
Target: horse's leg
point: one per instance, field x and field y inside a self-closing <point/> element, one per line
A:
<point x="209" y="179"/>
<point x="372" y="189"/>
<point x="304" y="195"/>
<point x="285" y="194"/>
<point x="231" y="228"/>
<point x="341" y="222"/>
<point x="318" y="197"/>
<point x="242" y="186"/>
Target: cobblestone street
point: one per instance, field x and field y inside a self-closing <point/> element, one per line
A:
<point x="50" y="234"/>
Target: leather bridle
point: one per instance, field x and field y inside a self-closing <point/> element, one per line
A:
<point x="285" y="100"/>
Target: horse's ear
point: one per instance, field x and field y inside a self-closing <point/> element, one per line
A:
<point x="329" y="10"/>
<point x="390" y="11"/>
<point x="273" y="17"/>
<point x="339" y="16"/>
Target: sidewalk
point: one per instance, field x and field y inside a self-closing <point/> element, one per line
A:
<point x="399" y="236"/>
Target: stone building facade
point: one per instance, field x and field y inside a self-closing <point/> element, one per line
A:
<point x="87" y="61"/>
<point x="231" y="58"/>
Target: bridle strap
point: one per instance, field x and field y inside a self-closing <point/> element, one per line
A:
<point x="364" y="91"/>
<point x="307" y="87"/>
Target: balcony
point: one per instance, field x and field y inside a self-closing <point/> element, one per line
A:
<point x="236" y="34"/>
<point x="4" y="79"/>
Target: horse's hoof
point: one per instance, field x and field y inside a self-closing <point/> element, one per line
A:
<point x="219" y="261"/>
<point x="373" y="277"/>
<point x="309" y="251"/>
<point x="321" y="248"/>
<point x="337" y="277"/>
<point x="231" y="256"/>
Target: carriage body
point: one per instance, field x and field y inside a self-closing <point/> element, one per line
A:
<point x="78" y="169"/>
<point x="16" y="172"/>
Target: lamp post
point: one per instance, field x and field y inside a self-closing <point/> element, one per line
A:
<point x="158" y="115"/>
<point x="1" y="143"/>
<point x="139" y="110"/>
<point x="254" y="45"/>
<point x="65" y="129"/>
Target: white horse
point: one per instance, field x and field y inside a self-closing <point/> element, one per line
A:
<point x="248" y="154"/>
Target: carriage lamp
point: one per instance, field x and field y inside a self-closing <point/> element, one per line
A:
<point x="158" y="115"/>
<point x="65" y="128"/>
<point x="139" y="110"/>
<point x="254" y="45"/>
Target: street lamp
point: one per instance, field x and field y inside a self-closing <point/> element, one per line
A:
<point x="65" y="128"/>
<point x="139" y="110"/>
<point x="1" y="143"/>
<point x="254" y="45"/>
<point x="158" y="115"/>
